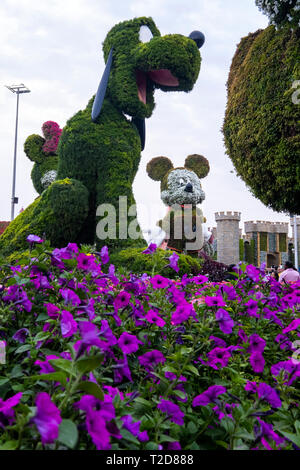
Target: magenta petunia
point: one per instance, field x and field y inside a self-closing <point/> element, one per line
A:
<point x="70" y="297"/>
<point x="225" y="321"/>
<point x="52" y="310"/>
<point x="68" y="325"/>
<point x="47" y="418"/>
<point x="209" y="395"/>
<point x="292" y="326"/>
<point x="174" y="262"/>
<point x="122" y="300"/>
<point x="96" y="427"/>
<point x="104" y="255"/>
<point x="134" y="428"/>
<point x="150" y="249"/>
<point x="257" y="362"/>
<point x="159" y="282"/>
<point x="218" y="357"/>
<point x="182" y="313"/>
<point x="128" y="343"/>
<point x="34" y="239"/>
<point x="257" y="344"/>
<point x="151" y="358"/>
<point x="269" y="394"/>
<point x="215" y="301"/>
<point x="172" y="410"/>
<point x="152" y="317"/>
<point x="252" y="308"/>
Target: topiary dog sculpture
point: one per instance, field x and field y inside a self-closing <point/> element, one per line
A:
<point x="100" y="148"/>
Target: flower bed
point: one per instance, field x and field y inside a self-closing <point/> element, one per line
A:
<point x="97" y="360"/>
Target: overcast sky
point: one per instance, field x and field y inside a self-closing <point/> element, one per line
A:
<point x="54" y="47"/>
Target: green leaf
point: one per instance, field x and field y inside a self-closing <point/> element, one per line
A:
<point x="165" y="438"/>
<point x="4" y="380"/>
<point x="192" y="369"/>
<point x="22" y="281"/>
<point x="128" y="436"/>
<point x="90" y="364"/>
<point x="41" y="336"/>
<point x="192" y="428"/>
<point x="23" y="348"/>
<point x="144" y="402"/>
<point x="179" y="393"/>
<point x="16" y="372"/>
<point x="222" y="444"/>
<point x="291" y="437"/>
<point x="55" y="376"/>
<point x="9" y="445"/>
<point x="62" y="364"/>
<point x="151" y="446"/>
<point x="91" y="388"/>
<point x="42" y="317"/>
<point x="68" y="433"/>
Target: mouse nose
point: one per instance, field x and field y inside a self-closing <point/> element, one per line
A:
<point x="198" y="37"/>
<point x="189" y="188"/>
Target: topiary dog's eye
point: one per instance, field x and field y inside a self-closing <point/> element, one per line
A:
<point x="145" y="34"/>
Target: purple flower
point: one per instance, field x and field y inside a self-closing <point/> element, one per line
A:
<point x="134" y="428"/>
<point x="290" y="369"/>
<point x="105" y="407"/>
<point x="46" y="368"/>
<point x="122" y="299"/>
<point x="216" y="301"/>
<point x="151" y="358"/>
<point x="257" y="344"/>
<point x="128" y="343"/>
<point x="173" y="411"/>
<point x="17" y="295"/>
<point x="90" y="337"/>
<point x="70" y="297"/>
<point x="218" y="341"/>
<point x="209" y="395"/>
<point x="242" y="335"/>
<point x="174" y="262"/>
<point x="267" y="393"/>
<point x="96" y="427"/>
<point x="52" y="310"/>
<point x="104" y="255"/>
<point x="292" y="326"/>
<point x="284" y="342"/>
<point x="21" y="335"/>
<point x="67" y="324"/>
<point x="34" y="239"/>
<point x="266" y="429"/>
<point x="152" y="317"/>
<point x="150" y="249"/>
<point x="253" y="273"/>
<point x="225" y="321"/>
<point x="218" y="356"/>
<point x="107" y="333"/>
<point x="121" y="370"/>
<point x="182" y="313"/>
<point x="252" y="307"/>
<point x="251" y="387"/>
<point x="159" y="282"/>
<point x="257" y="362"/>
<point x="47" y="418"/>
<point x="7" y="413"/>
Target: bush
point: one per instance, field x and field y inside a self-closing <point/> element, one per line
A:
<point x="261" y="120"/>
<point x="133" y="260"/>
<point x="281" y="12"/>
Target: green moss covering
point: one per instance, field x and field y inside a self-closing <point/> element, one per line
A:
<point x="261" y="122"/>
<point x="281" y="12"/>
<point x="54" y="215"/>
<point x="198" y="164"/>
<point x="282" y="242"/>
<point x="135" y="261"/>
<point x="158" y="167"/>
<point x="263" y="241"/>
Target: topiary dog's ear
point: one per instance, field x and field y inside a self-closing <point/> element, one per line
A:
<point x="33" y="148"/>
<point x="97" y="105"/>
<point x="198" y="164"/>
<point x="158" y="167"/>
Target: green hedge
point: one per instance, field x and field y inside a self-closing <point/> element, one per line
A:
<point x="133" y="260"/>
<point x="261" y="120"/>
<point x="281" y="12"/>
<point x="282" y="242"/>
<point x="263" y="239"/>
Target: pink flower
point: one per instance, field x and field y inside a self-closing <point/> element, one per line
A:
<point x="47" y="418"/>
<point x="67" y="324"/>
<point x="152" y="317"/>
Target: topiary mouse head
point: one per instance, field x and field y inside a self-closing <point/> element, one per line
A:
<point x="138" y="60"/>
<point x="180" y="185"/>
<point x="42" y="151"/>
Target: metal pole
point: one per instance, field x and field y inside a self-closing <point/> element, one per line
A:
<point x="296" y="242"/>
<point x="15" y="162"/>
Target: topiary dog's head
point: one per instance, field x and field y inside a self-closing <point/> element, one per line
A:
<point x="42" y="151"/>
<point x="139" y="60"/>
<point x="180" y="185"/>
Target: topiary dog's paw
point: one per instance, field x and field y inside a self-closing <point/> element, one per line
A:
<point x="42" y="151"/>
<point x="57" y="215"/>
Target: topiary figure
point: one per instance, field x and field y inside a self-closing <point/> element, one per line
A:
<point x="261" y="126"/>
<point x="281" y="12"/>
<point x="43" y="152"/>
<point x="103" y="152"/>
<point x="181" y="191"/>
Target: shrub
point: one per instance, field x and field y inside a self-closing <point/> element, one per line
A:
<point x="281" y="12"/>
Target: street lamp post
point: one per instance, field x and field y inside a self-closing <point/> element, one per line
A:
<point x="18" y="89"/>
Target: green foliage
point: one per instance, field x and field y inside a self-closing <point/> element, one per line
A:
<point x="241" y="249"/>
<point x="282" y="242"/>
<point x="198" y="164"/>
<point x="249" y="252"/>
<point x="281" y="12"/>
<point x="261" y="120"/>
<point x="158" y="168"/>
<point x="263" y="238"/>
<point x="56" y="214"/>
<point x="134" y="260"/>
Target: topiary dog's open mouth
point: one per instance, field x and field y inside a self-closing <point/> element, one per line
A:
<point x="160" y="77"/>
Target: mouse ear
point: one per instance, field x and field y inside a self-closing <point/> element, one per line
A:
<point x="198" y="164"/>
<point x="158" y="167"/>
<point x="33" y="148"/>
<point x="97" y="105"/>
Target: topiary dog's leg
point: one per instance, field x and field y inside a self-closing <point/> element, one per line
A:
<point x="58" y="215"/>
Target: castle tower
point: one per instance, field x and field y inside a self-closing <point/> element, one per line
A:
<point x="228" y="235"/>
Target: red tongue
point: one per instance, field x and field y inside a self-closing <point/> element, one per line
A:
<point x="163" y="77"/>
<point x="141" y="81"/>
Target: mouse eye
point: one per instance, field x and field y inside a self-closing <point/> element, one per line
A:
<point x="145" y="34"/>
<point x="181" y="182"/>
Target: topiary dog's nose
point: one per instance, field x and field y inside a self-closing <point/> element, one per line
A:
<point x="189" y="188"/>
<point x="198" y="37"/>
